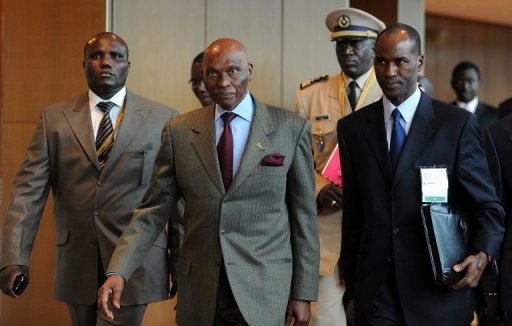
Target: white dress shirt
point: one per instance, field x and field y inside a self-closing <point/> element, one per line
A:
<point x="407" y="109"/>
<point x="469" y="106"/>
<point x="97" y="114"/>
<point x="360" y="82"/>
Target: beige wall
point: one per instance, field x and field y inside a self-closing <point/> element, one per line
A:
<point x="287" y="42"/>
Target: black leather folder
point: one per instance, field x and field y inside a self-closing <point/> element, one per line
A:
<point x="447" y="234"/>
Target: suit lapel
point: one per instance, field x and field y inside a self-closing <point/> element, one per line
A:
<point x="375" y="135"/>
<point x="79" y="119"/>
<point x="204" y="146"/>
<point x="261" y="127"/>
<point x="134" y="117"/>
<point x="420" y="132"/>
<point x="479" y="111"/>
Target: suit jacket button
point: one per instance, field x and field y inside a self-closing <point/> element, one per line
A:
<point x="96" y="213"/>
<point x="396" y="230"/>
<point x="222" y="232"/>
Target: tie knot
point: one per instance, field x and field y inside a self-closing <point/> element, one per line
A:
<point x="105" y="107"/>
<point x="228" y="117"/>
<point x="396" y="115"/>
<point x="352" y="86"/>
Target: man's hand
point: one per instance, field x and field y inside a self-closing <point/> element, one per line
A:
<point x="474" y="266"/>
<point x="8" y="275"/>
<point x="331" y="197"/>
<point x="298" y="312"/>
<point x="112" y="288"/>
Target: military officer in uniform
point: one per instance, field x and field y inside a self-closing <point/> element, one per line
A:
<point x="323" y="101"/>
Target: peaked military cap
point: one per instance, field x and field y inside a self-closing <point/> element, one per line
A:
<point x="354" y="23"/>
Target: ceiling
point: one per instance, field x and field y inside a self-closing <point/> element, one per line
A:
<point x="491" y="11"/>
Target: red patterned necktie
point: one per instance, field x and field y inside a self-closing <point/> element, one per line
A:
<point x="225" y="150"/>
<point x="105" y="135"/>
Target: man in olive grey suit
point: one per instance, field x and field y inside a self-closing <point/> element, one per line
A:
<point x="93" y="199"/>
<point x="250" y="253"/>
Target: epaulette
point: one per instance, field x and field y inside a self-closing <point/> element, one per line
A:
<point x="310" y="82"/>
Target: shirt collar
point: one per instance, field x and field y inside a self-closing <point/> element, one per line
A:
<point x="407" y="108"/>
<point x="118" y="98"/>
<point x="361" y="81"/>
<point x="244" y="109"/>
<point x="469" y="106"/>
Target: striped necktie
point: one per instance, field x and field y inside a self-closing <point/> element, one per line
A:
<point x="105" y="135"/>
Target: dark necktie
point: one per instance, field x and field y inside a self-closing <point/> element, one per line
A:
<point x="225" y="150"/>
<point x="105" y="135"/>
<point x="352" y="94"/>
<point x="397" y="138"/>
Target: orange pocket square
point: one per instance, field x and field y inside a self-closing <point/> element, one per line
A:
<point x="274" y="159"/>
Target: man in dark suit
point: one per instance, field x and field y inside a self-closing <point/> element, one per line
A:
<point x="384" y="254"/>
<point x="97" y="165"/>
<point x="250" y="252"/>
<point x="465" y="82"/>
<point x="498" y="141"/>
<point x="323" y="101"/>
<point x="505" y="108"/>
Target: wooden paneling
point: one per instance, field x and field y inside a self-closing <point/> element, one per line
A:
<point x="43" y="52"/>
<point x="387" y="11"/>
<point x="490" y="11"/>
<point x="1" y="97"/>
<point x="450" y="40"/>
<point x="508" y="62"/>
<point x="42" y="64"/>
<point x="497" y="74"/>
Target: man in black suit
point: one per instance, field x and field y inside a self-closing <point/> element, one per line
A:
<point x="505" y="108"/>
<point x="465" y="83"/>
<point x="384" y="254"/>
<point x="498" y="141"/>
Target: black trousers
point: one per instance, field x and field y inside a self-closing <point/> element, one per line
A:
<point x="226" y="309"/>
<point x="386" y="309"/>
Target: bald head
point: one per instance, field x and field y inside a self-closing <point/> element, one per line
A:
<point x="227" y="72"/>
<point x="226" y="45"/>
<point x="106" y="35"/>
<point x="106" y="64"/>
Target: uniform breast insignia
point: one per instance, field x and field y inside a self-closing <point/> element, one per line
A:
<point x="310" y="82"/>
